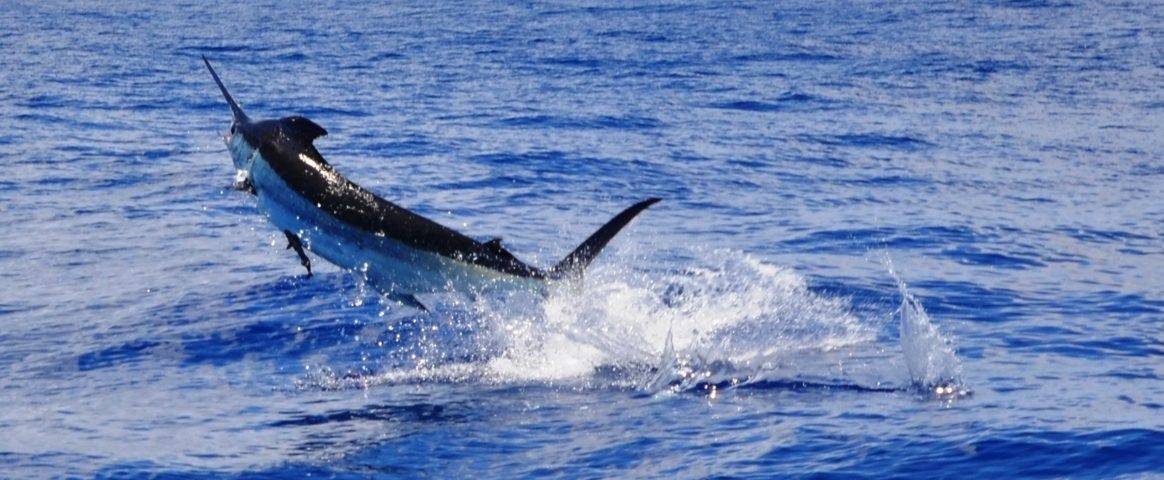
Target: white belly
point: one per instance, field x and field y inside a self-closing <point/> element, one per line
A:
<point x="389" y="265"/>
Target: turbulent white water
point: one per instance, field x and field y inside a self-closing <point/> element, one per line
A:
<point x="728" y="319"/>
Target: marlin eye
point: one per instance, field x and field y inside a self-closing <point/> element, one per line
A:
<point x="233" y="128"/>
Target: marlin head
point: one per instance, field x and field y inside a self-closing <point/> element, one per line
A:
<point x="248" y="139"/>
<point x="242" y="150"/>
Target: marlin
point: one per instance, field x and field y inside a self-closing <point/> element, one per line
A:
<point x="399" y="252"/>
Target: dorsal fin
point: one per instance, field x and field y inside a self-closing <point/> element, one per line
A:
<point x="301" y="129"/>
<point x="494" y="246"/>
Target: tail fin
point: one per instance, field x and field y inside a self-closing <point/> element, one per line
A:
<point x="577" y="261"/>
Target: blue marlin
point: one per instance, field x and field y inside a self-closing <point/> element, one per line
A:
<point x="400" y="252"/>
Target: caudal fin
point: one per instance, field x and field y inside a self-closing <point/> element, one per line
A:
<point x="577" y="261"/>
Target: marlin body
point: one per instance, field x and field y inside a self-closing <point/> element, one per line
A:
<point x="400" y="252"/>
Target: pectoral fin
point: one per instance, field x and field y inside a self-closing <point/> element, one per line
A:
<point x="294" y="242"/>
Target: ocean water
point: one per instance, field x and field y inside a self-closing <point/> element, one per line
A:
<point x="916" y="240"/>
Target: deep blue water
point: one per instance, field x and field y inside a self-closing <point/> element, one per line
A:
<point x="865" y="202"/>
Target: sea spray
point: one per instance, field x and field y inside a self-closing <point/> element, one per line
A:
<point x="930" y="356"/>
<point x="727" y="318"/>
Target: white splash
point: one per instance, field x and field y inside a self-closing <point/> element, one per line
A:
<point x="735" y="319"/>
<point x="929" y="355"/>
<point x="729" y="319"/>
